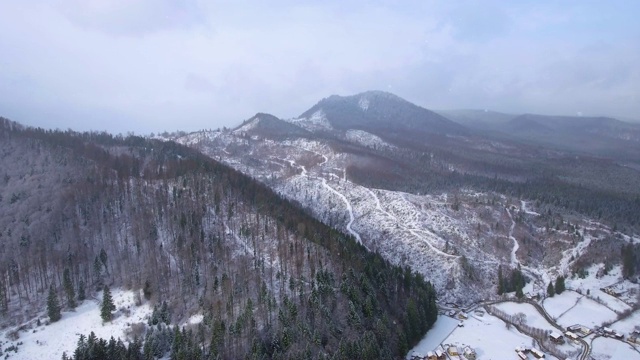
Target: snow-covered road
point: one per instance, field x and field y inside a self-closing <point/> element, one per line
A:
<point x="349" y="209"/>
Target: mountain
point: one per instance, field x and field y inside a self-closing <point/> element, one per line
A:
<point x="192" y="237"/>
<point x="599" y="135"/>
<point x="452" y="204"/>
<point x="269" y="126"/>
<point x="594" y="136"/>
<point x="380" y="113"/>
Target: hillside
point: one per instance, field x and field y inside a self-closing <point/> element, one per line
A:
<point x="454" y="208"/>
<point x="269" y="280"/>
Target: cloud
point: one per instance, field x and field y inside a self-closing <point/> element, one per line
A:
<point x="198" y="83"/>
<point x="131" y="17"/>
<point x="166" y="64"/>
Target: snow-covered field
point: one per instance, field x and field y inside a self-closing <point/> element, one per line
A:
<point x="587" y="312"/>
<point x="604" y="348"/>
<point x="50" y="341"/>
<point x="560" y="304"/>
<point x="532" y="316"/>
<point x="487" y="335"/>
<point x="593" y="284"/>
<point x="490" y="338"/>
<point x="440" y="331"/>
<point x="628" y="325"/>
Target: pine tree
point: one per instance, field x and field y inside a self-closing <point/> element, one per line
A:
<point x="68" y="289"/>
<point x="519" y="290"/>
<point x="550" y="290"/>
<point x="103" y="259"/>
<point x="4" y="303"/>
<point x="97" y="267"/>
<point x="81" y="292"/>
<point x="107" y="305"/>
<point x="560" y="285"/>
<point x="53" y="305"/>
<point x="628" y="261"/>
<point x="500" y="281"/>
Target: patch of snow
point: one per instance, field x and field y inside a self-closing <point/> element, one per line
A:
<point x="587" y="312"/>
<point x="363" y="103"/>
<point x="248" y="126"/>
<point x="526" y="210"/>
<point x="442" y="328"/>
<point x="49" y="342"/>
<point x="627" y="325"/>
<point x="559" y="304"/>
<point x="366" y="139"/>
<point x="593" y="284"/>
<point x="195" y="319"/>
<point x="317" y="121"/>
<point x="490" y="338"/>
<point x="531" y="316"/>
<point x="604" y="348"/>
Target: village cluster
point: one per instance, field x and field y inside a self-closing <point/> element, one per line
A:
<point x="573" y="333"/>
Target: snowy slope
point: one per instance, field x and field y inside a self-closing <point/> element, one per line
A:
<point x="459" y="249"/>
<point x="50" y="341"/>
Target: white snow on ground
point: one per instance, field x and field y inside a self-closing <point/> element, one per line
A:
<point x="195" y="319"/>
<point x="587" y="312"/>
<point x="560" y="304"/>
<point x="248" y="126"/>
<point x="532" y="316"/>
<point x="317" y="121"/>
<point x="366" y="139"/>
<point x="363" y="103"/>
<point x="628" y="325"/>
<point x="490" y="338"/>
<point x="438" y="333"/>
<point x="516" y="245"/>
<point x="594" y="284"/>
<point x="49" y="342"/>
<point x="606" y="348"/>
<point x="194" y="138"/>
<point x="349" y="210"/>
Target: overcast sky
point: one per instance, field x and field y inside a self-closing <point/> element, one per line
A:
<point x="153" y="65"/>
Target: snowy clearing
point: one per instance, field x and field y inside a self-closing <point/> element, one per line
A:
<point x="532" y="316"/>
<point x="490" y="338"/>
<point x="606" y="348"/>
<point x="440" y="331"/>
<point x="593" y="284"/>
<point x="587" y="312"/>
<point x="627" y="325"/>
<point x="560" y="304"/>
<point x="50" y="341"/>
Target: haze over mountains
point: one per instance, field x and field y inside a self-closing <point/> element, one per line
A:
<point x="600" y="136"/>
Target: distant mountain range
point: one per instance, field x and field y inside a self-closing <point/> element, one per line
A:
<point x="600" y="136"/>
<point x="405" y="124"/>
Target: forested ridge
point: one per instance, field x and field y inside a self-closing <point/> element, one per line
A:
<point x="92" y="209"/>
<point x="596" y="188"/>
